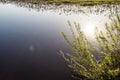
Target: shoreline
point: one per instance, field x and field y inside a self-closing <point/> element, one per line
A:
<point x="83" y="3"/>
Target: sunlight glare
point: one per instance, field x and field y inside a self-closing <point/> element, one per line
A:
<point x="89" y="30"/>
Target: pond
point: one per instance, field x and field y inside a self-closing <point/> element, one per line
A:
<point x="30" y="37"/>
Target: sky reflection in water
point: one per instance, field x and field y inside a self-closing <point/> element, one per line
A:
<point x="30" y="38"/>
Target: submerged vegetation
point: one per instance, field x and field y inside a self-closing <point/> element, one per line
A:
<point x="84" y="2"/>
<point x="84" y="62"/>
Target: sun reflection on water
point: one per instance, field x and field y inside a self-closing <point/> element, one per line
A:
<point x="89" y="29"/>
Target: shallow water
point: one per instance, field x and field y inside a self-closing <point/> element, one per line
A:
<point x="30" y="37"/>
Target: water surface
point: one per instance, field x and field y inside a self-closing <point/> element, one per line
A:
<point x="30" y="37"/>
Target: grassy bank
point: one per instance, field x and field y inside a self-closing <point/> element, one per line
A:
<point x="84" y="2"/>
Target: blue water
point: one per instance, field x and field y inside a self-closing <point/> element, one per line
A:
<point x="30" y="40"/>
